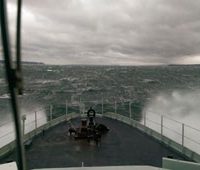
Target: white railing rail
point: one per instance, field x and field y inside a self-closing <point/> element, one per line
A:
<point x="181" y="133"/>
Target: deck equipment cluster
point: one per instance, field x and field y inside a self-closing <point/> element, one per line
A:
<point x="89" y="129"/>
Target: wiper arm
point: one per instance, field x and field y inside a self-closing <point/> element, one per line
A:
<point x="18" y="49"/>
<point x="13" y="76"/>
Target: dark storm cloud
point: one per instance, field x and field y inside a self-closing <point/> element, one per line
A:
<point x="110" y="32"/>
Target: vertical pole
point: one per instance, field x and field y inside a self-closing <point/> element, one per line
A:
<point x="115" y="107"/>
<point x="145" y="115"/>
<point x="23" y="124"/>
<point x="183" y="127"/>
<point x="66" y="111"/>
<point x="10" y="75"/>
<point x="82" y="108"/>
<point x="35" y="120"/>
<point x="102" y="106"/>
<point x="23" y="127"/>
<point x="161" y="125"/>
<point x="79" y="108"/>
<point x="130" y="114"/>
<point x="80" y="105"/>
<point x="51" y="108"/>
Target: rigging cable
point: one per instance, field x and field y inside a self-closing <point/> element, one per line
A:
<point x="13" y="76"/>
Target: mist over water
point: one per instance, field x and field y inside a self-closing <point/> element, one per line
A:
<point x="177" y="107"/>
<point x="183" y="106"/>
<point x="7" y="133"/>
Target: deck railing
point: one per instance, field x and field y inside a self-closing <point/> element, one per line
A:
<point x="183" y="134"/>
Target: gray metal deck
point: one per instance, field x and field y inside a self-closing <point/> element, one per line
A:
<point x="123" y="145"/>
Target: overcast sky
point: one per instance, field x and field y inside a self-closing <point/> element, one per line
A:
<point x="119" y="32"/>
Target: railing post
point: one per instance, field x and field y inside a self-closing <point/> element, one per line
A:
<point x="102" y="106"/>
<point x="66" y="109"/>
<point x="35" y="120"/>
<point x="83" y="111"/>
<point x="80" y="107"/>
<point x="115" y="107"/>
<point x="183" y="131"/>
<point x="161" y="125"/>
<point x="23" y="123"/>
<point x="145" y="115"/>
<point x="51" y="112"/>
<point x="130" y="114"/>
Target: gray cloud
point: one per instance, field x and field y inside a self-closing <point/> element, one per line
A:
<point x="110" y="32"/>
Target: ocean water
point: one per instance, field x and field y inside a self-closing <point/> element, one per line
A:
<point x="171" y="91"/>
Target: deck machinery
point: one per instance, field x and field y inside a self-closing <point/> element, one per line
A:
<point x="89" y="128"/>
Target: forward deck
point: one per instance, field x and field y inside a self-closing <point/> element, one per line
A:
<point x="122" y="145"/>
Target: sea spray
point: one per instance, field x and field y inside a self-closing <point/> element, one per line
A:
<point x="177" y="108"/>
